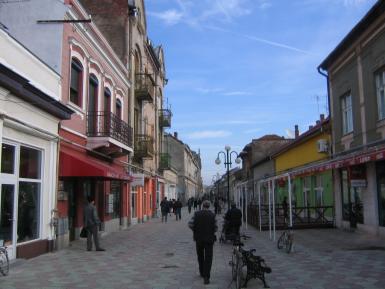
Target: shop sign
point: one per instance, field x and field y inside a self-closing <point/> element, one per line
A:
<point x="137" y="180"/>
<point x="358" y="183"/>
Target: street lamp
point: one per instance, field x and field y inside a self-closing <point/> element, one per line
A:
<point x="227" y="162"/>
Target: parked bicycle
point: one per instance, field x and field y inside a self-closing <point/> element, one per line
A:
<point x="286" y="239"/>
<point x="4" y="260"/>
<point x="245" y="266"/>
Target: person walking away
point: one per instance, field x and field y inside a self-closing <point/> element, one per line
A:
<point x="216" y="204"/>
<point x="178" y="209"/>
<point x="164" y="208"/>
<point x="199" y="204"/>
<point x="189" y="204"/>
<point x="91" y="223"/>
<point x="233" y="219"/>
<point x="195" y="204"/>
<point x="204" y="225"/>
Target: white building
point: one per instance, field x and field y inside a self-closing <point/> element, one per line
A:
<point x="30" y="111"/>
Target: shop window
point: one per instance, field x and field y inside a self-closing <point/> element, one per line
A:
<point x="30" y="161"/>
<point x="318" y="191"/>
<point x="380" y="90"/>
<point x="76" y="85"/>
<point x="116" y="192"/>
<point x="7" y="159"/>
<point x="347" y="114"/>
<point x="28" y="211"/>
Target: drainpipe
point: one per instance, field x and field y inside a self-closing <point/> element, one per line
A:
<point x="328" y="87"/>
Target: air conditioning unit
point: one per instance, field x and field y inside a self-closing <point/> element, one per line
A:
<point x="322" y="146"/>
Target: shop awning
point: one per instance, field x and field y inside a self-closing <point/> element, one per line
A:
<point x="77" y="164"/>
<point x="344" y="161"/>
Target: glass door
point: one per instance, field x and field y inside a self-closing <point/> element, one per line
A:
<point x="7" y="218"/>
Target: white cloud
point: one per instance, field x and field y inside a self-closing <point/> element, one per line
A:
<point x="208" y="134"/>
<point x="235" y="93"/>
<point x="170" y="17"/>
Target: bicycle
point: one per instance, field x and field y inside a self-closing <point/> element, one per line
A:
<point x="286" y="240"/>
<point x="245" y="266"/>
<point x="4" y="260"/>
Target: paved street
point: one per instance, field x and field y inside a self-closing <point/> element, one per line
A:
<point x="159" y="256"/>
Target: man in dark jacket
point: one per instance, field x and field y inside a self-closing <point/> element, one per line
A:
<point x="91" y="222"/>
<point x="204" y="226"/>
<point x="165" y="208"/>
<point x="178" y="209"/>
<point x="233" y="219"/>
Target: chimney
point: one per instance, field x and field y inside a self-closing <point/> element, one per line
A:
<point x="322" y="117"/>
<point x="175" y="134"/>
<point x="318" y="122"/>
<point x="310" y="127"/>
<point x="296" y="131"/>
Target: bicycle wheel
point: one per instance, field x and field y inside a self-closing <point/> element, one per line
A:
<point x="234" y="264"/>
<point x="240" y="277"/>
<point x="288" y="244"/>
<point x="282" y="240"/>
<point x="4" y="262"/>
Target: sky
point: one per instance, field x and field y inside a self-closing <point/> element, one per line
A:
<point x="241" y="69"/>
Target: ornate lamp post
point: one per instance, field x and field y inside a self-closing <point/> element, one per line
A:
<point x="227" y="162"/>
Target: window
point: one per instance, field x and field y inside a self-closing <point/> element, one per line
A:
<point x="76" y="82"/>
<point x="28" y="211"/>
<point x="7" y="159"/>
<point x="118" y="109"/>
<point x="380" y="90"/>
<point x="107" y="100"/>
<point x="318" y="190"/>
<point x="347" y="114"/>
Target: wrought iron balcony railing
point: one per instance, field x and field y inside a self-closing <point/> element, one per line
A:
<point x="164" y="161"/>
<point x="165" y="118"/>
<point x="144" y="146"/>
<point x="107" y="124"/>
<point x="144" y="87"/>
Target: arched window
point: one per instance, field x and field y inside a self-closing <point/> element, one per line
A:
<point x="118" y="109"/>
<point x="93" y="93"/>
<point x="76" y="86"/>
<point x="107" y="100"/>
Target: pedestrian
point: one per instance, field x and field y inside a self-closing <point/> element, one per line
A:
<point x="233" y="219"/>
<point x="178" y="209"/>
<point x="164" y="208"/>
<point x="204" y="226"/>
<point x="195" y="204"/>
<point x="285" y="207"/>
<point x="199" y="204"/>
<point x="216" y="205"/>
<point x="91" y="223"/>
<point x="189" y="204"/>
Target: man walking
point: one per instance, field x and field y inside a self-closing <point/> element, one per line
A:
<point x="204" y="226"/>
<point x="178" y="209"/>
<point x="164" y="207"/>
<point x="91" y="222"/>
<point x="233" y="219"/>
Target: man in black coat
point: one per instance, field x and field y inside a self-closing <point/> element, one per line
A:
<point x="91" y="222"/>
<point x="233" y="219"/>
<point x="204" y="226"/>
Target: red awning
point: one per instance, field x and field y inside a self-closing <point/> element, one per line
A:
<point x="345" y="161"/>
<point x="77" y="164"/>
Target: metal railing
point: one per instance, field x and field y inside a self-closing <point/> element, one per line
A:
<point x="165" y="118"/>
<point x="164" y="161"/>
<point x="144" y="146"/>
<point x="107" y="124"/>
<point x="303" y="217"/>
<point x="144" y="87"/>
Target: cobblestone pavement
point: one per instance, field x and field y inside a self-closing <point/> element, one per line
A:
<point x="155" y="255"/>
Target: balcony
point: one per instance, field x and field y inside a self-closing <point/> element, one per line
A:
<point x="108" y="133"/>
<point x="164" y="161"/>
<point x="165" y="118"/>
<point x="144" y="87"/>
<point x="144" y="146"/>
